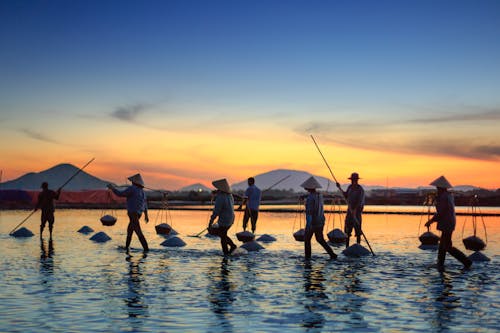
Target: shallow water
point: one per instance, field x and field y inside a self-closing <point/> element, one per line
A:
<point x="76" y="285"/>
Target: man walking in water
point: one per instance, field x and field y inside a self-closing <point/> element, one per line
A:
<point x="46" y="204"/>
<point x="355" y="197"/>
<point x="252" y="202"/>
<point x="446" y="220"/>
<point x="136" y="205"/>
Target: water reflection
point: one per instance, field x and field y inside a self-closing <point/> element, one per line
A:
<point x="355" y="297"/>
<point x="136" y="306"/>
<point x="315" y="294"/>
<point x="220" y="295"/>
<point x="46" y="257"/>
<point x="445" y="302"/>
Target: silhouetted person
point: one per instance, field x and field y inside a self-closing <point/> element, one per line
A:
<point x="46" y="204"/>
<point x="355" y="197"/>
<point x="252" y="202"/>
<point x="224" y="209"/>
<point x="446" y="221"/>
<point x="136" y="205"/>
<point x="315" y="218"/>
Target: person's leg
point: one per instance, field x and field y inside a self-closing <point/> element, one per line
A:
<point x="224" y="239"/>
<point x="444" y="245"/>
<point x="43" y="221"/>
<point x="140" y="235"/>
<point x="254" y="215"/>
<point x="459" y="255"/>
<point x="246" y="216"/>
<point x="51" y="220"/>
<point x="358" y="228"/>
<point x="130" y="230"/>
<point x="307" y="242"/>
<point x="318" y="233"/>
<point x="348" y="231"/>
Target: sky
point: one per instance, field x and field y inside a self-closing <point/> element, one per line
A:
<point x="187" y="91"/>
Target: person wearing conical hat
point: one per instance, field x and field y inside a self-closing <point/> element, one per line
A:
<point x="46" y="204"/>
<point x="224" y="210"/>
<point x="136" y="205"/>
<point x="315" y="218"/>
<point x="446" y="221"/>
<point x="355" y="197"/>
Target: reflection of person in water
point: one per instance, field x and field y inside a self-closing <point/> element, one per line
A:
<point x="46" y="260"/>
<point x="220" y="295"/>
<point x="315" y="292"/>
<point x="134" y="299"/>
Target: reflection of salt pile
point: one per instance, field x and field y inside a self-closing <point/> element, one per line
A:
<point x="245" y="236"/>
<point x="265" y="238"/>
<point x="173" y="242"/>
<point x="299" y="235"/>
<point x="356" y="250"/>
<point x="252" y="246"/>
<point x="23" y="232"/>
<point x="337" y="236"/>
<point x="108" y="220"/>
<point x="478" y="256"/>
<point x="100" y="237"/>
<point x="85" y="230"/>
<point x="163" y="228"/>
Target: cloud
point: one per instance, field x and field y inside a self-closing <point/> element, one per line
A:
<point x="37" y="136"/>
<point x="487" y="115"/>
<point x="129" y="113"/>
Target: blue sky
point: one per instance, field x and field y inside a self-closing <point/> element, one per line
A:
<point x="410" y="77"/>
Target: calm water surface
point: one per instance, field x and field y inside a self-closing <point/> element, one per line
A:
<point x="76" y="285"/>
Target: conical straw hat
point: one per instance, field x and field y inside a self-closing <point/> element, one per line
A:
<point x="136" y="179"/>
<point x="222" y="185"/>
<point x="310" y="183"/>
<point x="441" y="182"/>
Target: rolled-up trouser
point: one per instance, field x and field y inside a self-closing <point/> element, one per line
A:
<point x="47" y="216"/>
<point x="253" y="215"/>
<point x="134" y="225"/>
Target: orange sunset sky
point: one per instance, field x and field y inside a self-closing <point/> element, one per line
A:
<point x="188" y="92"/>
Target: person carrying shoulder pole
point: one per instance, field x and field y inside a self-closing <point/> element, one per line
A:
<point x="446" y="220"/>
<point x="355" y="197"/>
<point x="224" y="210"/>
<point x="136" y="205"/>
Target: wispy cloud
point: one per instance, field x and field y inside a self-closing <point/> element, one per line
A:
<point x="37" y="136"/>
<point x="486" y="115"/>
<point x="129" y="113"/>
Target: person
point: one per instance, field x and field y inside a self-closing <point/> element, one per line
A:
<point x="46" y="204"/>
<point x="315" y="218"/>
<point x="355" y="197"/>
<point x="136" y="205"/>
<point x="446" y="221"/>
<point x="224" y="210"/>
<point x="252" y="202"/>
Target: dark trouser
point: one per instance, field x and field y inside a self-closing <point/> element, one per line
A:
<point x="134" y="225"/>
<point x="351" y="223"/>
<point x="253" y="215"/>
<point x="225" y="240"/>
<point x="445" y="245"/>
<point x="318" y="232"/>
<point x="47" y="217"/>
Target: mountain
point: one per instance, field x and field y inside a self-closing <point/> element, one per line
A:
<point x="195" y="187"/>
<point x="56" y="177"/>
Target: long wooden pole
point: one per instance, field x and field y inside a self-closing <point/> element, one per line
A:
<point x="76" y="173"/>
<point x="355" y="219"/>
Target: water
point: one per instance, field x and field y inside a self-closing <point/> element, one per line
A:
<point x="76" y="285"/>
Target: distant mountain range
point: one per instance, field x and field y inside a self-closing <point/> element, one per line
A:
<point x="280" y="179"/>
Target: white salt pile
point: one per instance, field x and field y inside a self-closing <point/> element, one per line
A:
<point x="478" y="256"/>
<point x="428" y="247"/>
<point x="245" y="236"/>
<point x="239" y="252"/>
<point x="85" y="230"/>
<point x="356" y="250"/>
<point x="173" y="242"/>
<point x="252" y="246"/>
<point x="23" y="232"/>
<point x="100" y="237"/>
<point x="266" y="238"/>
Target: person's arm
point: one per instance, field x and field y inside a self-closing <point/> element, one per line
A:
<point x="217" y="209"/>
<point x="57" y="194"/>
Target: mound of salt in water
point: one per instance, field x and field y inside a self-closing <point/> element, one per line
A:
<point x="299" y="235"/>
<point x="173" y="232"/>
<point x="356" y="250"/>
<point x="23" y="232"/>
<point x="478" y="256"/>
<point x="428" y="247"/>
<point x="108" y="220"/>
<point x="173" y="242"/>
<point x="337" y="236"/>
<point x="266" y="238"/>
<point x="85" y="230"/>
<point x="245" y="236"/>
<point x="428" y="238"/>
<point x="474" y="243"/>
<point x="239" y="252"/>
<point x="252" y="246"/>
<point x="100" y="237"/>
<point x="163" y="228"/>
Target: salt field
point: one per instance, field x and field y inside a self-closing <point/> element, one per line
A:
<point x="74" y="284"/>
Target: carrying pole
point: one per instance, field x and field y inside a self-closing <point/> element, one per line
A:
<point x="333" y="176"/>
<point x="74" y="175"/>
